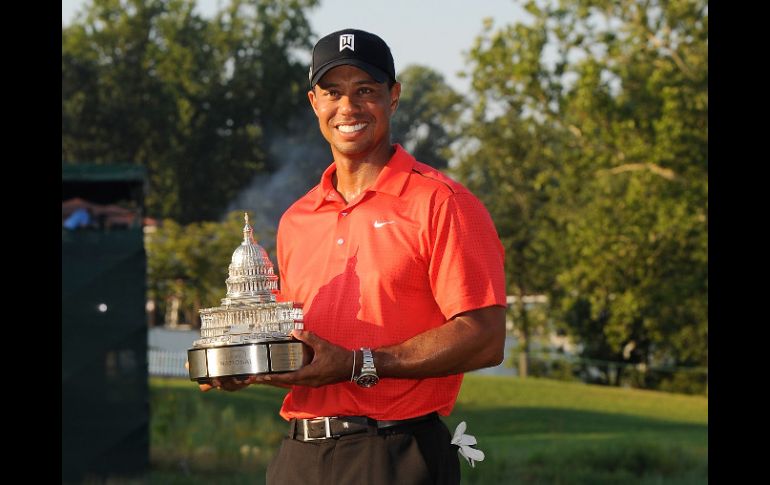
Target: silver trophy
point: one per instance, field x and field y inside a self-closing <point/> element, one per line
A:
<point x="250" y="333"/>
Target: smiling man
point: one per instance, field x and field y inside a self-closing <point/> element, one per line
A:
<point x="400" y="271"/>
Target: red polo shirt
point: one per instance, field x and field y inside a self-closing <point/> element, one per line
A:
<point x="408" y="254"/>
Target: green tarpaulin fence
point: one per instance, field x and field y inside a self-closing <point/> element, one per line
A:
<point x="105" y="397"/>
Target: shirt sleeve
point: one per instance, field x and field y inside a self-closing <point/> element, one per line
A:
<point x="466" y="265"/>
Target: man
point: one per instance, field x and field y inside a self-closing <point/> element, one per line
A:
<point x="400" y="271"/>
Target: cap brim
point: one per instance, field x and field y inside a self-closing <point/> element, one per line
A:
<point x="378" y="74"/>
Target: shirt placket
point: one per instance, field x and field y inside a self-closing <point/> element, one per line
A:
<point x="343" y="234"/>
<point x="341" y="230"/>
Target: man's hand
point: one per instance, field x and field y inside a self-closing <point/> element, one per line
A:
<point x="226" y="383"/>
<point x="330" y="364"/>
<point x="230" y="384"/>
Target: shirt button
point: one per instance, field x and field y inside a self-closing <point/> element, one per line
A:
<point x="340" y="241"/>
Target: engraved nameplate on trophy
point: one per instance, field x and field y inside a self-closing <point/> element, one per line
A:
<point x="250" y="332"/>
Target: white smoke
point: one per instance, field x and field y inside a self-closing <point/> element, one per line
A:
<point x="302" y="155"/>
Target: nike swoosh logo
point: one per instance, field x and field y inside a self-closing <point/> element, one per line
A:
<point x="379" y="224"/>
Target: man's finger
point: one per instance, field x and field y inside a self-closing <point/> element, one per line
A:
<point x="244" y="380"/>
<point x="283" y="378"/>
<point x="304" y="336"/>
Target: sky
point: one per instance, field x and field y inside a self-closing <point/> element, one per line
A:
<point x="433" y="33"/>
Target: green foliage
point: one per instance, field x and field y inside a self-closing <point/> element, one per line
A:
<point x="546" y="366"/>
<point x="151" y="82"/>
<point x="190" y="261"/>
<point x="695" y="382"/>
<point x="427" y="109"/>
<point x="593" y="160"/>
<point x="201" y="435"/>
<point x="563" y="367"/>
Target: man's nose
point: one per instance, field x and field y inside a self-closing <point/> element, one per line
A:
<point x="348" y="104"/>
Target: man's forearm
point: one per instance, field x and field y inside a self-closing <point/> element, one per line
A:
<point x="470" y="341"/>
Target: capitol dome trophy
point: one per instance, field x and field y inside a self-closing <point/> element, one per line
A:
<point x="250" y="333"/>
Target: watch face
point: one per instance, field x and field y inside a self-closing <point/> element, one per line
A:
<point x="367" y="380"/>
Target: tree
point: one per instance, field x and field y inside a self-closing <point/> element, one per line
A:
<point x="614" y="130"/>
<point x="190" y="262"/>
<point x="427" y="109"/>
<point x="194" y="100"/>
<point x="510" y="157"/>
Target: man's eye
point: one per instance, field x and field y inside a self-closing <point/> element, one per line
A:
<point x="365" y="90"/>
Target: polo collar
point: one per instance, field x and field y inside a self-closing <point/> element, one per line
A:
<point x="391" y="179"/>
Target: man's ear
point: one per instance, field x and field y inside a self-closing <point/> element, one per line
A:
<point x="395" y="95"/>
<point x="311" y="97"/>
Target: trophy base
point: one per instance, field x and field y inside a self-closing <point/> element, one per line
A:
<point x="244" y="359"/>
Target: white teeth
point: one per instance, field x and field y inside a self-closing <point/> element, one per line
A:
<point x="351" y="128"/>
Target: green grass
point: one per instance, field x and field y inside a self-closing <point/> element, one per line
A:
<point x="531" y="430"/>
<point x="544" y="431"/>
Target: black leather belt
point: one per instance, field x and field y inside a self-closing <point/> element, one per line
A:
<point x="333" y="427"/>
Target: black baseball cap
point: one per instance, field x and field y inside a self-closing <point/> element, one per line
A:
<point x="352" y="47"/>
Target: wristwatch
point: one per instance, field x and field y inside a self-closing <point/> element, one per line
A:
<point x="368" y="376"/>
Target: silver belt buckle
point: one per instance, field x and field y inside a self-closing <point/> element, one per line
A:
<point x="327" y="428"/>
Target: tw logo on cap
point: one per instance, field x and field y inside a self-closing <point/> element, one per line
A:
<point x="346" y="42"/>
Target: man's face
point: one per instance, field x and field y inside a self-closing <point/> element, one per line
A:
<point x="354" y="110"/>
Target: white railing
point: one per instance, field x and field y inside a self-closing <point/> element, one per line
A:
<point x="167" y="363"/>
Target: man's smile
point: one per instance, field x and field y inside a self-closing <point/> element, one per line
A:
<point x="352" y="128"/>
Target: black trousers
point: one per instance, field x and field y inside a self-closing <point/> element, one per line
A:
<point x="416" y="454"/>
